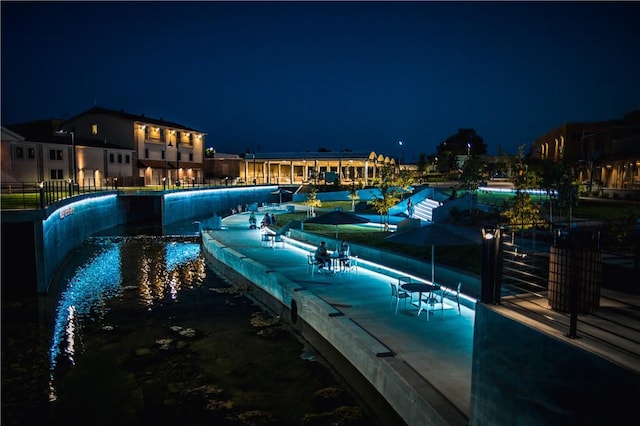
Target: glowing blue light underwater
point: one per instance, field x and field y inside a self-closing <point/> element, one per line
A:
<point x="513" y="191"/>
<point x="97" y="280"/>
<point x="178" y="254"/>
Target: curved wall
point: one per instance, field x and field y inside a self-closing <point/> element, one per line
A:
<point x="62" y="227"/>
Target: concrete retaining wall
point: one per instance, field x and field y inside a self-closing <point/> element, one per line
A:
<point x="180" y="206"/>
<point x="522" y="375"/>
<point x="393" y="379"/>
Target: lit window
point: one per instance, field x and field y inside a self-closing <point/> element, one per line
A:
<point x="19" y="152"/>
<point x="31" y="153"/>
<point x="94" y="129"/>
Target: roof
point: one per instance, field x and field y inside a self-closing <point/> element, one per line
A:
<point x="46" y="131"/>
<point x="134" y="117"/>
<point x="308" y="155"/>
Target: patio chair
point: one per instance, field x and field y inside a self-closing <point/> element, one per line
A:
<point x="313" y="264"/>
<point x="279" y="239"/>
<point x="351" y="264"/>
<point x="396" y="294"/>
<point x="454" y="295"/>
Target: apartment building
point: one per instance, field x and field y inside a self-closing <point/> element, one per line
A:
<point x="100" y="146"/>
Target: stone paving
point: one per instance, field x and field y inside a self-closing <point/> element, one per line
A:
<point x="439" y="350"/>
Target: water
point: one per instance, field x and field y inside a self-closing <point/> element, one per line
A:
<point x="139" y="330"/>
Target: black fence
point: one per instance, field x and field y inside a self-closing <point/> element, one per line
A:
<point x="558" y="277"/>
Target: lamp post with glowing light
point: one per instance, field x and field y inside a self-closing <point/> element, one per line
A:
<point x="177" y="159"/>
<point x="491" y="282"/>
<point x="468" y="149"/>
<point x="73" y="147"/>
<point x="402" y="148"/>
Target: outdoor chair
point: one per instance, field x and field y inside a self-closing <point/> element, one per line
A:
<point x="313" y="264"/>
<point x="279" y="239"/>
<point x="398" y="293"/>
<point x="454" y="295"/>
<point x="350" y="264"/>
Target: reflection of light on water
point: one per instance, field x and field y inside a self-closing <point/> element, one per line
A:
<point x="160" y="271"/>
<point x="180" y="254"/>
<point x="98" y="279"/>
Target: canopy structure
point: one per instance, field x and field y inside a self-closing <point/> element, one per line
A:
<point x="437" y="235"/>
<point x="280" y="192"/>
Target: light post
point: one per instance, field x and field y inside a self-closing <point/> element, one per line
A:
<point x="73" y="147"/>
<point x="177" y="160"/>
<point x="164" y="183"/>
<point x="468" y="149"/>
<point x="41" y="187"/>
<point x="255" y="180"/>
<point x="402" y="148"/>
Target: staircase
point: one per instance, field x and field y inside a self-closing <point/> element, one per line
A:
<point x="424" y="209"/>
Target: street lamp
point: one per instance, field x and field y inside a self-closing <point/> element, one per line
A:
<point x="73" y="147"/>
<point x="468" y="149"/>
<point x="177" y="159"/>
<point x="402" y="148"/>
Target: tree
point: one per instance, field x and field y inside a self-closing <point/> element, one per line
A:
<point x="521" y="212"/>
<point x="388" y="194"/>
<point x="446" y="162"/>
<point x="471" y="173"/>
<point x="353" y="195"/>
<point x="422" y="162"/>
<point x="312" y="201"/>
<point x="404" y="180"/>
<point x="463" y="142"/>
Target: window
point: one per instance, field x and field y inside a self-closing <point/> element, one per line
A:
<point x="162" y="136"/>
<point x="55" y="154"/>
<point x="146" y="132"/>
<point x="56" y="174"/>
<point x="162" y="154"/>
<point x="127" y="159"/>
<point x="191" y="156"/>
<point x="31" y="153"/>
<point x="111" y="158"/>
<point x="94" y="129"/>
<point x="146" y="153"/>
<point x="19" y="152"/>
<point x="120" y="158"/>
<point x="179" y="156"/>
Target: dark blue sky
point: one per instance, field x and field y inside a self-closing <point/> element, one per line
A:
<point x="297" y="76"/>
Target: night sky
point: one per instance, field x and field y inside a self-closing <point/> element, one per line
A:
<point x="299" y="76"/>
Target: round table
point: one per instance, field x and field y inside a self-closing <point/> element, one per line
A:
<point x="420" y="288"/>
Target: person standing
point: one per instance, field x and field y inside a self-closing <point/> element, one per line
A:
<point x="410" y="208"/>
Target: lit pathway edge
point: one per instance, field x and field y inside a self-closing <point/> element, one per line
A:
<point x="413" y="398"/>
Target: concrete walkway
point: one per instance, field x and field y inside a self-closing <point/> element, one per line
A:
<point x="438" y="350"/>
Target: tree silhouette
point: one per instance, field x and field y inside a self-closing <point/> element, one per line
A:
<point x="458" y="144"/>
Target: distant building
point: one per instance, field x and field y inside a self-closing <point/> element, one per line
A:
<point x="99" y="145"/>
<point x="295" y="168"/>
<point x="162" y="149"/>
<point x="606" y="153"/>
<point x="36" y="151"/>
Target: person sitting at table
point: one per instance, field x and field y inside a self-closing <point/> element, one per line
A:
<point x="322" y="255"/>
<point x="266" y="221"/>
<point x="343" y="254"/>
<point x="252" y="221"/>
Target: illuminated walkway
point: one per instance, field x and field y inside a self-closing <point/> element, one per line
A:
<point x="439" y="351"/>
